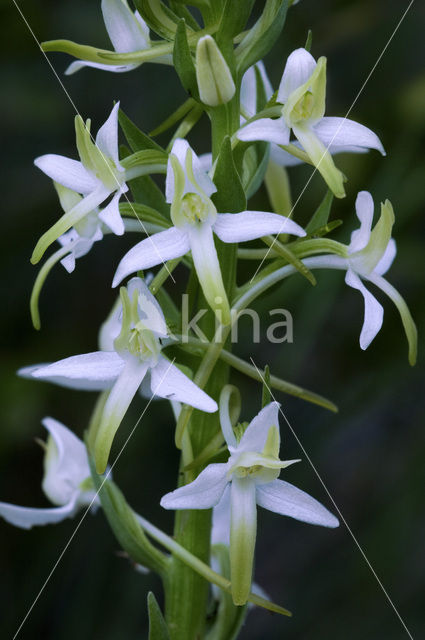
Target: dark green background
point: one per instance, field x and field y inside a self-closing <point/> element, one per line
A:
<point x="370" y="455"/>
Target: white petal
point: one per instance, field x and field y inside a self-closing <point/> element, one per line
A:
<point x="91" y="371"/>
<point x="125" y="30"/>
<point x="169" y="382"/>
<point x="340" y="132"/>
<point x="364" y="211"/>
<point x="70" y="173"/>
<point x="119" y="399"/>
<point x="299" y="67"/>
<point x="65" y="464"/>
<point x="69" y="262"/>
<point x="157" y="249"/>
<point x="111" y="216"/>
<point x="202" y="179"/>
<point x="107" y="136"/>
<point x="243" y="532"/>
<point x="203" y="493"/>
<point x="373" y="310"/>
<point x="249" y="88"/>
<point x="256" y="434"/>
<point x="282" y="497"/>
<point x="387" y="259"/>
<point x="206" y="161"/>
<point x="80" y="64"/>
<point x="220" y="532"/>
<point x="265" y="129"/>
<point x="111" y="328"/>
<point x="26" y="517"/>
<point x="249" y="225"/>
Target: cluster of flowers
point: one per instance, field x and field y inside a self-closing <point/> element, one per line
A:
<point x="130" y="356"/>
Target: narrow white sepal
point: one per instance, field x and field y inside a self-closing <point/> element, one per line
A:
<point x="94" y="371"/>
<point x="157" y="249"/>
<point x="67" y="172"/>
<point x="27" y="517"/>
<point x="298" y="69"/>
<point x="167" y="381"/>
<point x="203" y="493"/>
<point x="126" y="31"/>
<point x="249" y="225"/>
<point x="111" y="216"/>
<point x="255" y="436"/>
<point x="283" y="498"/>
<point x="265" y="129"/>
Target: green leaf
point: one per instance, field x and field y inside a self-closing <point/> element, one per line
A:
<point x="289" y="256"/>
<point x="183" y="12"/>
<point x="321" y="215"/>
<point x="144" y="213"/>
<point x="230" y="196"/>
<point x="155" y="160"/>
<point x="172" y="119"/>
<point x="137" y="140"/>
<point x="233" y="19"/>
<point x="255" y="163"/>
<point x="157" y="626"/>
<point x="158" y="17"/>
<point x="266" y="396"/>
<point x="261" y="38"/>
<point x="183" y="61"/>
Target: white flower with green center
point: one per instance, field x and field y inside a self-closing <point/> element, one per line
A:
<point x="251" y="474"/>
<point x="97" y="176"/>
<point x="135" y="352"/>
<point x="127" y="31"/>
<point x="195" y="218"/>
<point x="66" y="481"/>
<point x="302" y="92"/>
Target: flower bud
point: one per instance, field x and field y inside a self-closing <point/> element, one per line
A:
<point x="215" y="81"/>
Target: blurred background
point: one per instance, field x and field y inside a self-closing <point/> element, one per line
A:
<point x="370" y="455"/>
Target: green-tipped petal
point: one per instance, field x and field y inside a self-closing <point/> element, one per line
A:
<point x="321" y="159"/>
<point x="207" y="267"/>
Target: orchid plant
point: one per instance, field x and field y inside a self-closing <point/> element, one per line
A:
<point x="194" y="224"/>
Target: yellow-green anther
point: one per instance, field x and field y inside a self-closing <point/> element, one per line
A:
<point x="215" y="82"/>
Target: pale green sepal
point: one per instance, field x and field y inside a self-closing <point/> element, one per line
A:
<point x="215" y="82"/>
<point x="406" y="317"/>
<point x="158" y="629"/>
<point x="159" y="17"/>
<point x="243" y="531"/>
<point x="365" y="261"/>
<point x="124" y="525"/>
<point x="321" y="159"/>
<point x="67" y="197"/>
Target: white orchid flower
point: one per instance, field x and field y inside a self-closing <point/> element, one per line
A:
<point x="135" y="352"/>
<point x="302" y="91"/>
<point x="66" y="481"/>
<point x="98" y="175"/>
<point x="370" y="255"/>
<point x="195" y="218"/>
<point x="127" y="32"/>
<point x="251" y="474"/>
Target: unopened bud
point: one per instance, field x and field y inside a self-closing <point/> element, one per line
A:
<point x="215" y="82"/>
